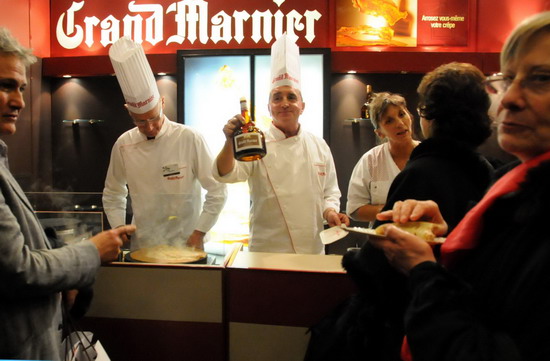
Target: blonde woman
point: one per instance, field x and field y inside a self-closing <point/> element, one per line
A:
<point x="375" y="171"/>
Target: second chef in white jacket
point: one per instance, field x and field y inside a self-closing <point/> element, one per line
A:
<point x="294" y="187"/>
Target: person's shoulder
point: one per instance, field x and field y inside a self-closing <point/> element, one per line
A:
<point x="188" y="135"/>
<point x="373" y="155"/>
<point x="505" y="168"/>
<point x="130" y="136"/>
<point x="182" y="130"/>
<point x="313" y="138"/>
<point x="377" y="151"/>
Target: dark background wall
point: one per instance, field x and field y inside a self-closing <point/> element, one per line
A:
<point x="80" y="153"/>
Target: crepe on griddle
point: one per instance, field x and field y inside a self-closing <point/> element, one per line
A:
<point x="168" y="254"/>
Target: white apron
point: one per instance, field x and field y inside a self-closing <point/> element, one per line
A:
<point x="298" y="192"/>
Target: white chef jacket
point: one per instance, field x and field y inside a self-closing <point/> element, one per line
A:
<point x="371" y="178"/>
<point x="164" y="178"/>
<point x="290" y="189"/>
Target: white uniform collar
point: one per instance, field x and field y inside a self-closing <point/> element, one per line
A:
<point x="278" y="134"/>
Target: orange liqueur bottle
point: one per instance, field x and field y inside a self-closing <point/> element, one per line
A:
<point x="365" y="109"/>
<point x="248" y="140"/>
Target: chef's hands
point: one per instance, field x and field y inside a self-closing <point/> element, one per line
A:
<point x="403" y="249"/>
<point x="334" y="218"/>
<point x="196" y="240"/>
<point x="231" y="125"/>
<point x="413" y="210"/>
<point x="108" y="243"/>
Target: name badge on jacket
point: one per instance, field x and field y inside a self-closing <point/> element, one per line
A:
<point x="171" y="172"/>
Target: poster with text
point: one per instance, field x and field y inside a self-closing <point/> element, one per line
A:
<point x="443" y="23"/>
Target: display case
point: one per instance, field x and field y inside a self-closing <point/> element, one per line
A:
<point x="68" y="217"/>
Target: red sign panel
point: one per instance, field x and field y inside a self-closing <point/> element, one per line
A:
<point x="443" y="22"/>
<point x="81" y="28"/>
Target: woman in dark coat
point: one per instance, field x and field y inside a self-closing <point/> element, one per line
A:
<point x="444" y="167"/>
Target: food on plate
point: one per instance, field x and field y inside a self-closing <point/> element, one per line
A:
<point x="424" y="230"/>
<point x="167" y="254"/>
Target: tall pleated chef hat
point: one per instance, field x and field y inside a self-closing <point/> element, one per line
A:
<point x="134" y="75"/>
<point x="285" y="63"/>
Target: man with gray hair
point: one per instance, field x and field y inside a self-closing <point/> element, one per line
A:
<point x="32" y="274"/>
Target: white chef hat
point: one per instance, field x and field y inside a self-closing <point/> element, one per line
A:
<point x="134" y="75"/>
<point x="285" y="63"/>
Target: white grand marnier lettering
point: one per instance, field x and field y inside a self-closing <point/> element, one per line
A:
<point x="64" y="37"/>
<point x="240" y="17"/>
<point x="257" y="19"/>
<point x="132" y="26"/>
<point x="221" y="27"/>
<point x="188" y="14"/>
<point x="91" y="22"/>
<point x="192" y="23"/>
<point x="110" y="30"/>
<point x="153" y="24"/>
<point x="311" y="18"/>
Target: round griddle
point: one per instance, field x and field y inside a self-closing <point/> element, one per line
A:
<point x="202" y="260"/>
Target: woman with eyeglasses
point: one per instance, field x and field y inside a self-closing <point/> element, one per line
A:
<point x="372" y="176"/>
<point x="488" y="296"/>
<point x="446" y="167"/>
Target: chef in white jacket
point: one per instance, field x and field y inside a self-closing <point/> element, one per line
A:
<point x="294" y="187"/>
<point x="163" y="164"/>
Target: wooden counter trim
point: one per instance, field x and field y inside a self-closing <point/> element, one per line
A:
<point x="298" y="299"/>
<point x="136" y="340"/>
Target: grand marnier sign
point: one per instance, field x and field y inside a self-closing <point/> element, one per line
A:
<point x="88" y="27"/>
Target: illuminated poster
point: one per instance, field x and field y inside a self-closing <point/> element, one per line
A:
<point x="376" y="23"/>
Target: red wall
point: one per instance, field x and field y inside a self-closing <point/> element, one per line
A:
<point x="496" y="19"/>
<point x="29" y="22"/>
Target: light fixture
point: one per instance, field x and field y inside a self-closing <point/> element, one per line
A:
<point x="67" y="76"/>
<point x="161" y="74"/>
<point x="352" y="71"/>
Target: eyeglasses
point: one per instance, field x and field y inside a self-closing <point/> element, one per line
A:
<point x="141" y="122"/>
<point x="421" y="111"/>
<point x="537" y="81"/>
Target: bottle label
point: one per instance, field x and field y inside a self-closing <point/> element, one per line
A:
<point x="246" y="141"/>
